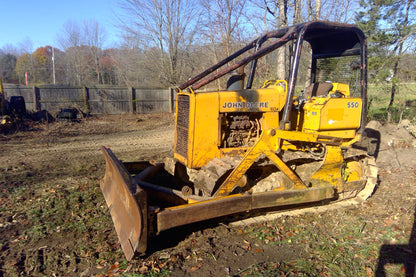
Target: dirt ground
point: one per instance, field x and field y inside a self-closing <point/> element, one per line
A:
<point x="54" y="220"/>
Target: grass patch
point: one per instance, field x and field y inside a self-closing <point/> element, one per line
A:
<point x="403" y="106"/>
<point x="46" y="209"/>
<point x="337" y="247"/>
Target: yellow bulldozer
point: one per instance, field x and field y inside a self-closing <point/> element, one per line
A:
<point x="257" y="144"/>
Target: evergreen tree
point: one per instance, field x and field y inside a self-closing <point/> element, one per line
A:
<point x="390" y="26"/>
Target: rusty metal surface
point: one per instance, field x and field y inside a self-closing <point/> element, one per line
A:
<point x="258" y="54"/>
<point x="217" y="207"/>
<point x="314" y="31"/>
<point x="128" y="207"/>
<point x="249" y="46"/>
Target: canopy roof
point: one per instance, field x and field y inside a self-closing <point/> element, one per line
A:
<point x="327" y="39"/>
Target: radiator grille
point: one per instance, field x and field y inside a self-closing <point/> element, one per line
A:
<point x="182" y="125"/>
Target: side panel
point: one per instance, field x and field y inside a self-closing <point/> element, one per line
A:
<point x="197" y="128"/>
<point x="206" y="132"/>
<point x="327" y="114"/>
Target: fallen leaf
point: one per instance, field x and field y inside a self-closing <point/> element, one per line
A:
<point x="248" y="245"/>
<point x="113" y="269"/>
<point x="195" y="268"/>
<point x="369" y="271"/>
<point x="143" y="269"/>
<point x="259" y="250"/>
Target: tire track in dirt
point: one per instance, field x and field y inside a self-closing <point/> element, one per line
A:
<point x="79" y="150"/>
<point x="126" y="141"/>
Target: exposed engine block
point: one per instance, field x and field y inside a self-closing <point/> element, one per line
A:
<point x="240" y="129"/>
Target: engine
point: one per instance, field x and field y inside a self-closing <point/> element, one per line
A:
<point x="240" y="129"/>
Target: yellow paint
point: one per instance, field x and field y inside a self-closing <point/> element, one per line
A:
<point x="326" y="121"/>
<point x="265" y="146"/>
<point x="204" y="126"/>
<point x="330" y="171"/>
<point x="353" y="171"/>
<point x="342" y="88"/>
<point x="332" y="114"/>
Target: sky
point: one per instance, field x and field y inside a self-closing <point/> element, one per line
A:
<point x="40" y="21"/>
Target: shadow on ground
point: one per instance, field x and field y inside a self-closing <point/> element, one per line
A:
<point x="404" y="254"/>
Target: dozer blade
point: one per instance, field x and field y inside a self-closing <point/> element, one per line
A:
<point x="127" y="205"/>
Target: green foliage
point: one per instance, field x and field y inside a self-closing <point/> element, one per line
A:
<point x="390" y="29"/>
<point x="403" y="108"/>
<point x="23" y="64"/>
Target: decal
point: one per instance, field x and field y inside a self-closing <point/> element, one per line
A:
<point x="245" y="105"/>
<point x="353" y="105"/>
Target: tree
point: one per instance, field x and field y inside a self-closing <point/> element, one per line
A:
<point x="166" y="25"/>
<point x="107" y="67"/>
<point x="79" y="69"/>
<point x="390" y="29"/>
<point x="70" y="35"/>
<point x="83" y="52"/>
<point x="222" y="28"/>
<point x="281" y="52"/>
<point x="42" y="65"/>
<point x="23" y="65"/>
<point x="338" y="10"/>
<point x="94" y="36"/>
<point x="223" y="23"/>
<point x="7" y="65"/>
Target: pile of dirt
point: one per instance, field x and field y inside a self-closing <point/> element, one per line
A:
<point x="397" y="146"/>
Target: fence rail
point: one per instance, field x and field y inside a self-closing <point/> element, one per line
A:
<point x="94" y="100"/>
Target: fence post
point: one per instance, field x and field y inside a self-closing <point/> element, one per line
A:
<point x="171" y="100"/>
<point x="36" y="99"/>
<point x="86" y="94"/>
<point x="132" y="100"/>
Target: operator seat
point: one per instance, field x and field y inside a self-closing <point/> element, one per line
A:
<point x="317" y="89"/>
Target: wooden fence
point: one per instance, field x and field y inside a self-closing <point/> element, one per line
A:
<point x="94" y="100"/>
